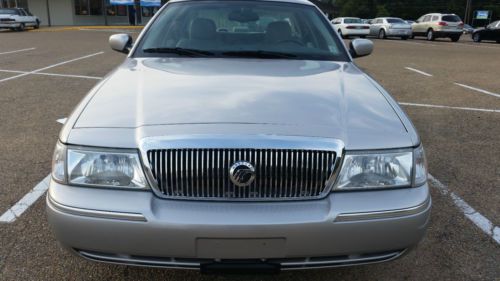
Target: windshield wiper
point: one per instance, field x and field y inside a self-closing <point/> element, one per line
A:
<point x="179" y="51"/>
<point x="260" y="54"/>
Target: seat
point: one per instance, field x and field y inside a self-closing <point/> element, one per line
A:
<point x="278" y="31"/>
<point x="202" y="35"/>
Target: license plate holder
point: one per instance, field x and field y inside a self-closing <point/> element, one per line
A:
<point x="253" y="248"/>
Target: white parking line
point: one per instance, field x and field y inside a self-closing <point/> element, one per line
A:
<point x="478" y="90"/>
<point x="450" y="107"/>
<point x="17" y="51"/>
<point x="52" y="74"/>
<point x="477" y="218"/>
<point x="50" y="66"/>
<point x="22" y="205"/>
<point x="62" y="120"/>
<point x="419" y="71"/>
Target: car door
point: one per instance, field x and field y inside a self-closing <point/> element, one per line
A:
<point x="30" y="19"/>
<point x="418" y="26"/>
<point x="375" y="27"/>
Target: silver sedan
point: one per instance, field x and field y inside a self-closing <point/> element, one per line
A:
<point x="236" y="135"/>
<point x="383" y="28"/>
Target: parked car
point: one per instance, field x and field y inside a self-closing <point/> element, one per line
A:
<point x="390" y="27"/>
<point x="267" y="149"/>
<point x="349" y="27"/>
<point x="468" y="29"/>
<point x="17" y="19"/>
<point x="434" y="26"/>
<point x="488" y="33"/>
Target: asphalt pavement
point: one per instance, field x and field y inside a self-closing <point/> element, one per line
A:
<point x="451" y="91"/>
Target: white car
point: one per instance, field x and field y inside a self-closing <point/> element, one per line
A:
<point x="347" y="27"/>
<point x="17" y="19"/>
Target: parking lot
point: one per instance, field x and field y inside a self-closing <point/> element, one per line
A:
<point x="451" y="91"/>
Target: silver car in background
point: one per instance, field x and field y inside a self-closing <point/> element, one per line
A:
<point x="239" y="134"/>
<point x="383" y="28"/>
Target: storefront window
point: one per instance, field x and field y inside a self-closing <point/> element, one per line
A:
<point x="88" y="7"/>
<point x="14" y="4"/>
<point x="115" y="10"/>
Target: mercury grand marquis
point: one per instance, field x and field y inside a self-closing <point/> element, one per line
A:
<point x="239" y="134"/>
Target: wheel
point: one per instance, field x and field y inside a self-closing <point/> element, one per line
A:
<point x="37" y="26"/>
<point x="498" y="41"/>
<point x="412" y="36"/>
<point x="21" y="27"/>
<point x="476" y="37"/>
<point x="381" y="34"/>
<point x="455" y="38"/>
<point x="404" y="38"/>
<point x="342" y="35"/>
<point x="430" y="35"/>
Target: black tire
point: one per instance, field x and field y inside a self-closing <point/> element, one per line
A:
<point x="21" y="27"/>
<point x="498" y="41"/>
<point x="476" y="37"/>
<point x="381" y="34"/>
<point x="341" y="35"/>
<point x="455" y="38"/>
<point x="430" y="35"/>
<point x="37" y="26"/>
<point x="412" y="36"/>
<point x="404" y="38"/>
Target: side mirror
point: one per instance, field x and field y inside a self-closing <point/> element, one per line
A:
<point x="121" y="43"/>
<point x="360" y="48"/>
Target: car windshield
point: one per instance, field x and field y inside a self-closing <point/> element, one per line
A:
<point x="395" y="21"/>
<point x="451" y="18"/>
<point x="8" y="12"/>
<point x="248" y="29"/>
<point x="353" y="21"/>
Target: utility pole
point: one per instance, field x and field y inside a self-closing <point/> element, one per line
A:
<point x="467" y="11"/>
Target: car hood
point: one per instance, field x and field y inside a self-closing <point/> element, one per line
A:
<point x="165" y="96"/>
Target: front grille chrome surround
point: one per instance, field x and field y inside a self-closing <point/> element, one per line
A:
<point x="197" y="167"/>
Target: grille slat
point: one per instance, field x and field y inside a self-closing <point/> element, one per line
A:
<point x="204" y="173"/>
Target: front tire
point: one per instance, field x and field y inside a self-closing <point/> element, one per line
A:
<point x="381" y="34"/>
<point x="21" y="27"/>
<point x="476" y="37"/>
<point x="455" y="38"/>
<point x="430" y="35"/>
<point x="404" y="38"/>
<point x="37" y="26"/>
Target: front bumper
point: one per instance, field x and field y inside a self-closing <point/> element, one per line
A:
<point x="137" y="228"/>
<point x="9" y="25"/>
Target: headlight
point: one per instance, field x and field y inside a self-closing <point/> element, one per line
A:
<point x="376" y="170"/>
<point x="100" y="167"/>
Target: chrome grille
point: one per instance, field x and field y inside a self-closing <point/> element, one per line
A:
<point x="204" y="173"/>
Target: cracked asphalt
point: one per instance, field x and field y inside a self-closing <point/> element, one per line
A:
<point x="463" y="150"/>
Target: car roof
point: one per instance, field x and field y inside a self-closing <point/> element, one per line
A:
<point x="306" y="2"/>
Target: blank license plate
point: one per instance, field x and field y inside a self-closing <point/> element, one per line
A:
<point x="265" y="248"/>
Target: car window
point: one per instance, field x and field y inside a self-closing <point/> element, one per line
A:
<point x="451" y="18"/>
<point x="352" y="21"/>
<point x="395" y="21"/>
<point x="22" y="13"/>
<point x="435" y="18"/>
<point x="235" y="29"/>
<point x="427" y="18"/>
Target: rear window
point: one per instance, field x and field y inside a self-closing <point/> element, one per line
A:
<point x="451" y="18"/>
<point x="395" y="21"/>
<point x="353" y="21"/>
<point x="8" y="12"/>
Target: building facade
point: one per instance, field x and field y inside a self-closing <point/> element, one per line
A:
<point x="83" y="12"/>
